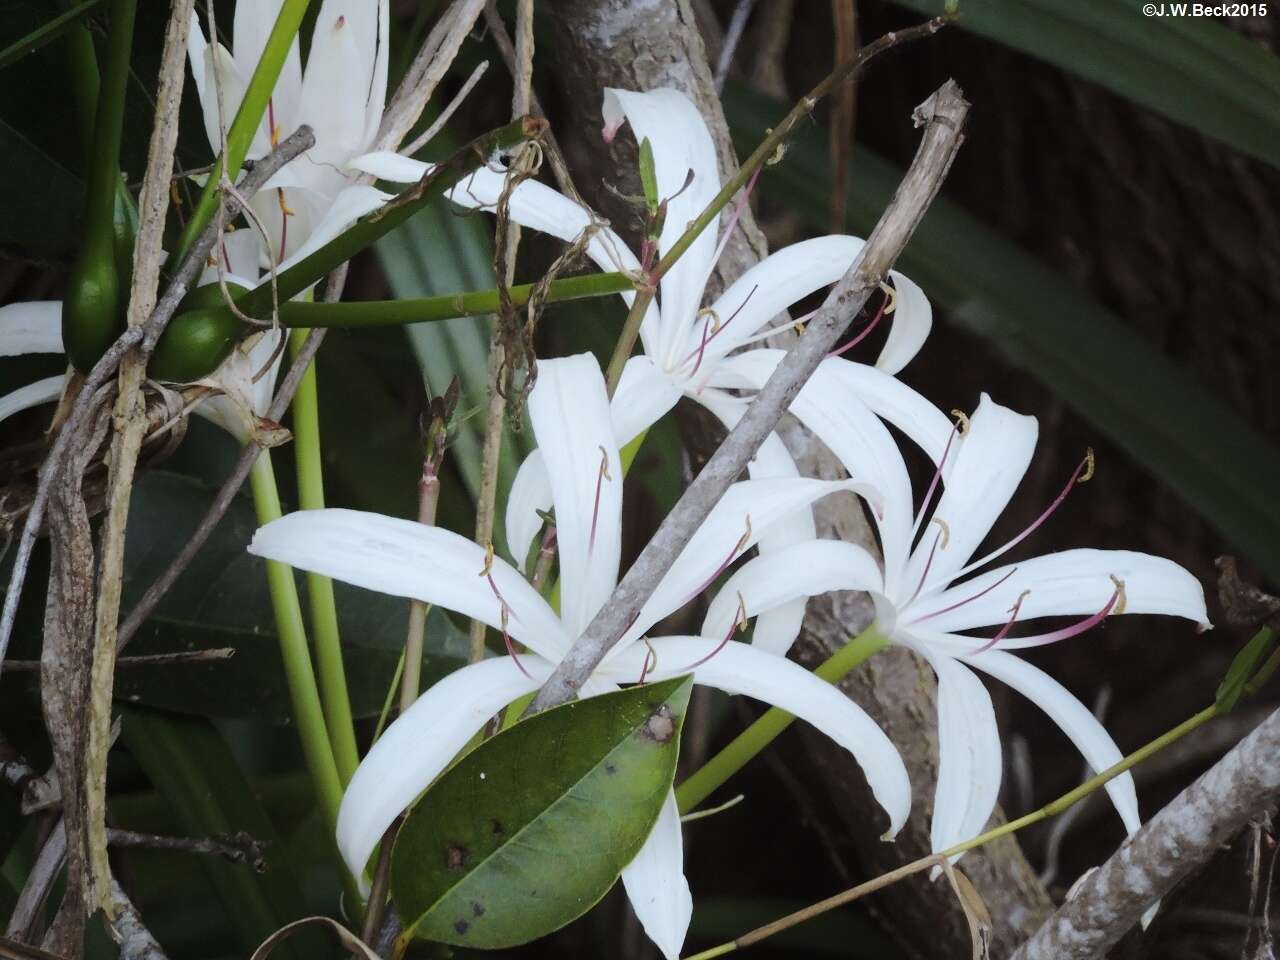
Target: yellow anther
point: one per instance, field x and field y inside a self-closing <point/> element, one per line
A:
<point x="604" y="464"/>
<point x="1121" y="599"/>
<point x="798" y="327"/>
<point x="742" y="614"/>
<point x="745" y="538"/>
<point x="284" y="207"/>
<point x="488" y="559"/>
<point x="1088" y="468"/>
<point x="946" y="532"/>
<point x="962" y="421"/>
<point x="708" y="312"/>
<point x="892" y="295"/>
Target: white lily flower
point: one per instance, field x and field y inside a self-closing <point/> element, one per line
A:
<point x="244" y="381"/>
<point x="687" y="351"/>
<point x="571" y="418"/>
<point x="340" y="95"/>
<point x="925" y="600"/>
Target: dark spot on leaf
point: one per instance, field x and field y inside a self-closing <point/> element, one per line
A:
<point x="498" y="828"/>
<point x="611" y="768"/>
<point x="461" y="926"/>
<point x="661" y="726"/>
<point x="477" y="908"/>
<point x="455" y="855"/>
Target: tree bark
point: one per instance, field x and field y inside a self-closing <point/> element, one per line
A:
<point x="640" y="46"/>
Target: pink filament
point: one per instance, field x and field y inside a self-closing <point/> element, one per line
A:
<point x="506" y="611"/>
<point x="650" y="657"/>
<point x="933" y="484"/>
<point x="1065" y="633"/>
<point x="865" y="331"/>
<point x="1048" y="512"/>
<point x="738" y="207"/>
<point x="595" y="510"/>
<point x="716" y="332"/>
<point x="719" y="646"/>
<point x="927" y="564"/>
<point x="956" y="606"/>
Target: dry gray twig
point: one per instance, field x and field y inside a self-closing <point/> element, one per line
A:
<point x="942" y="116"/>
<point x="1176" y="841"/>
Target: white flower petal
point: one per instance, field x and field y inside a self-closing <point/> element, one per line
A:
<point x="530" y="492"/>
<point x="644" y="396"/>
<point x="287" y="231"/>
<point x="1070" y="583"/>
<point x="378" y="83"/>
<point x="335" y="84"/>
<point x="778" y="577"/>
<point x="855" y="435"/>
<point x="681" y="144"/>
<point x="569" y="409"/>
<point x="253" y="24"/>
<point x="233" y="84"/>
<point x="746" y="512"/>
<point x="1075" y="719"/>
<point x="740" y="668"/>
<point x="408" y="559"/>
<point x="656" y="885"/>
<point x="197" y="46"/>
<point x="31" y="327"/>
<point x="390" y="166"/>
<point x="970" y="765"/>
<point x="421" y="743"/>
<point x="348" y="206"/>
<point x="775" y="283"/>
<point x="990" y="461"/>
<point x="912" y="319"/>
<point x="32" y="395"/>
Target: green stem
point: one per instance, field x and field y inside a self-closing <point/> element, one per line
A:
<point x="247" y="120"/>
<point x="290" y="283"/>
<point x="301" y="678"/>
<point x="49" y="32"/>
<point x="84" y="83"/>
<point x="104" y="169"/>
<point x="324" y="610"/>
<point x="387" y="313"/>
<point x="627" y="339"/>
<point x="761" y="733"/>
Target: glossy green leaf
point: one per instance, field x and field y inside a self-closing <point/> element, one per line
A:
<point x="532" y="828"/>
<point x="222" y="601"/>
<point x="1149" y="406"/>
<point x="1242" y="669"/>
<point x="191" y="766"/>
<point x="1189" y="68"/>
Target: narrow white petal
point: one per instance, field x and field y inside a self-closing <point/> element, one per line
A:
<point x="390" y="166"/>
<point x="778" y="626"/>
<point x="969" y="761"/>
<point x="530" y="492"/>
<point x="1070" y="583"/>
<point x="421" y="743"/>
<point x="32" y="395"/>
<point x="335" y="84"/>
<point x="31" y="327"/>
<point x="775" y="283"/>
<point x="854" y="434"/>
<point x="197" y="45"/>
<point x="681" y="145"/>
<point x="538" y="207"/>
<point x="990" y="461"/>
<point x="349" y="205"/>
<point x="290" y="212"/>
<point x="644" y="396"/>
<point x="408" y="559"/>
<point x="233" y="84"/>
<point x="253" y="24"/>
<point x="740" y="668"/>
<point x="656" y="885"/>
<point x="1075" y="719"/>
<point x="569" y="409"/>
<point x="778" y="577"/>
<point x="378" y="83"/>
<point x="912" y="319"/>
<point x="747" y="511"/>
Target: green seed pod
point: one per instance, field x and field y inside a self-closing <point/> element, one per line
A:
<point x="194" y="343"/>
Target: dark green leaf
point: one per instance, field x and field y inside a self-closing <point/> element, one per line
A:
<point x="190" y="764"/>
<point x="46" y="33"/>
<point x="1242" y="669"/>
<point x="1192" y="69"/>
<point x="532" y="828"/>
<point x="1149" y="406"/>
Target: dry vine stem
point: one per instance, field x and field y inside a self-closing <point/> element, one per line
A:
<point x="1176" y="841"/>
<point x="942" y="116"/>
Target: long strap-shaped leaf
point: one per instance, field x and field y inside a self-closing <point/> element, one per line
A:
<point x="1188" y="68"/>
<point x="1148" y="405"/>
